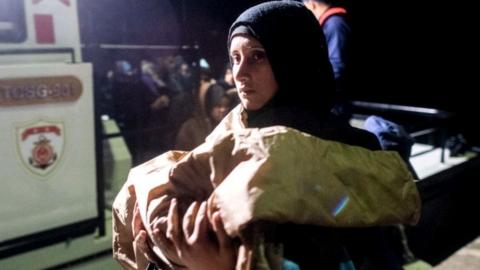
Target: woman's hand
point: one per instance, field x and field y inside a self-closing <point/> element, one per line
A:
<point x="161" y="241"/>
<point x="143" y="252"/>
<point x="192" y="243"/>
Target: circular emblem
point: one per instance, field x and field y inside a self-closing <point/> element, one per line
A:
<point x="43" y="154"/>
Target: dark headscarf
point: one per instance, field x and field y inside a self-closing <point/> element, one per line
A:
<point x="297" y="51"/>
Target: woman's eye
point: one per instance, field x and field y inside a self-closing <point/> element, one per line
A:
<point x="258" y="55"/>
<point x="235" y="58"/>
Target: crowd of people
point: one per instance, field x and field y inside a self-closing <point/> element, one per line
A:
<point x="165" y="103"/>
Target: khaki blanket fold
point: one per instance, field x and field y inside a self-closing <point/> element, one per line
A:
<point x="275" y="174"/>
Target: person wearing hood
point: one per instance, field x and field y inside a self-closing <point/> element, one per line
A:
<point x="283" y="77"/>
<point x="213" y="106"/>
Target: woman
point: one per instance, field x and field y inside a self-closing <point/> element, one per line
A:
<point x="283" y="76"/>
<point x="294" y="70"/>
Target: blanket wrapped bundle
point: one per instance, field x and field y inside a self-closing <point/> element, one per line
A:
<point x="274" y="174"/>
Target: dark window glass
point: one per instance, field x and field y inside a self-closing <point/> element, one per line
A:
<point x="12" y="21"/>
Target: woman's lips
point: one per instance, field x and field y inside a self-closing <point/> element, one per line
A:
<point x="247" y="91"/>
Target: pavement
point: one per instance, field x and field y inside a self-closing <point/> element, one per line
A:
<point x="466" y="258"/>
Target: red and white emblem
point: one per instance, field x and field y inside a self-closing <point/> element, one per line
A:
<point x="40" y="146"/>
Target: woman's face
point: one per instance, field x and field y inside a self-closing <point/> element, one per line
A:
<point x="252" y="73"/>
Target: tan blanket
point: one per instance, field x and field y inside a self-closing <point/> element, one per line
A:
<point x="274" y="174"/>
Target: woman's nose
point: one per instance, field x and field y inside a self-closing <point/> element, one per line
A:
<point x="242" y="70"/>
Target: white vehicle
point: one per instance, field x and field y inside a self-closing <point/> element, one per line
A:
<point x="50" y="191"/>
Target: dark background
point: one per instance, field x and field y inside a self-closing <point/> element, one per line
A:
<point x="416" y="53"/>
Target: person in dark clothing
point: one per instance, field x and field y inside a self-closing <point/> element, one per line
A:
<point x="284" y="77"/>
<point x="337" y="33"/>
<point x="336" y="27"/>
<point x="296" y="49"/>
<point x="132" y="101"/>
<point x="296" y="52"/>
<point x="226" y="81"/>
